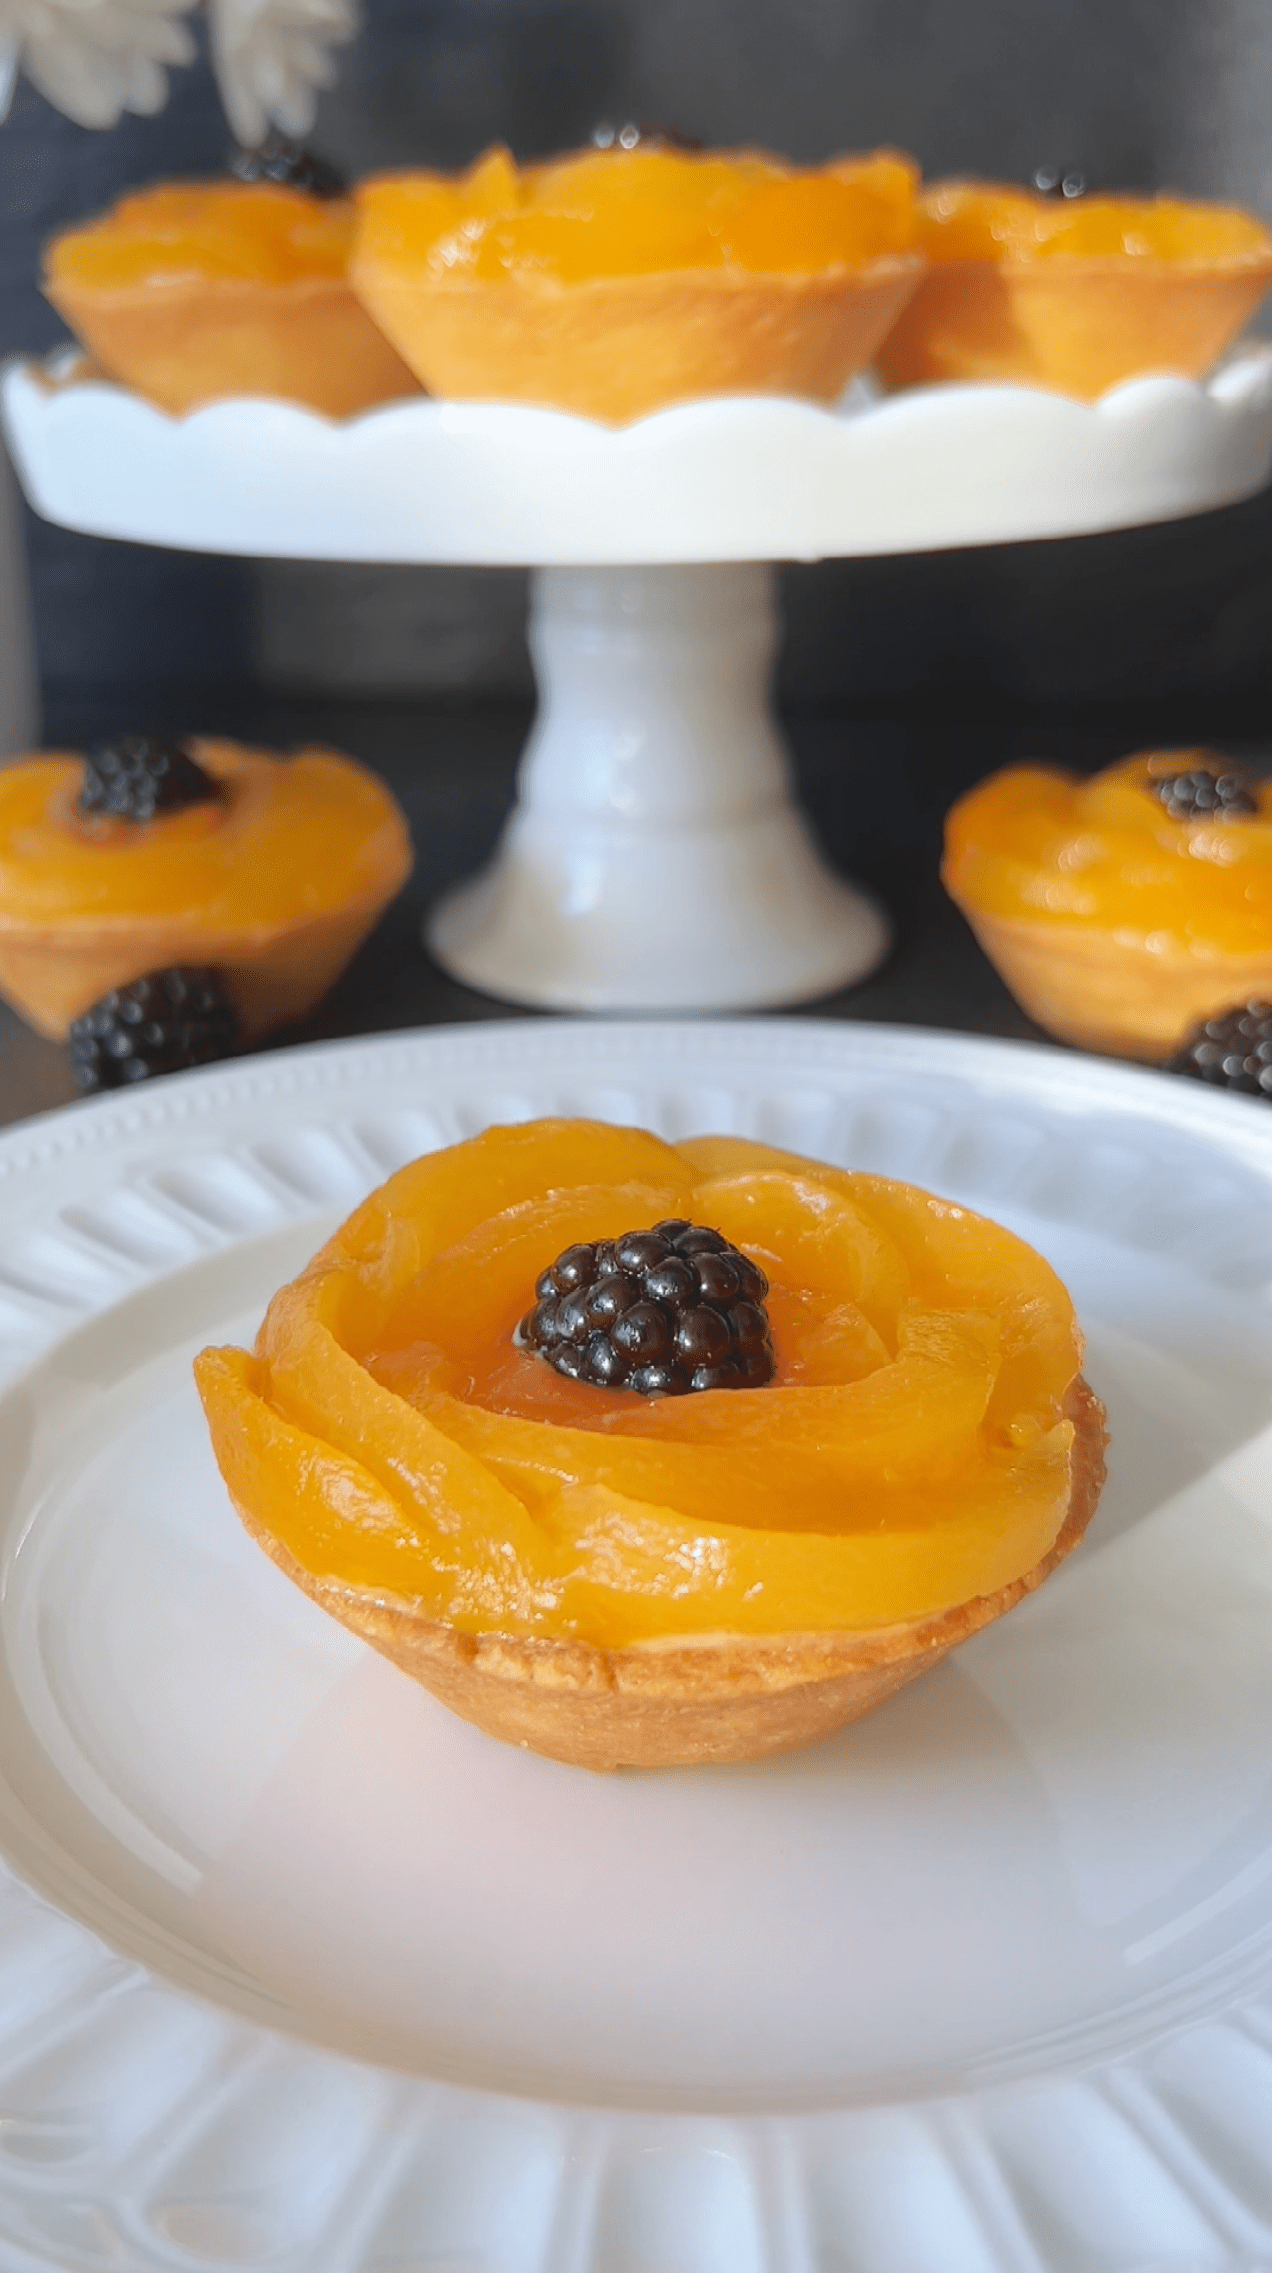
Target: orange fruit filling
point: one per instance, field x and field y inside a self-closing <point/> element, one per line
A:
<point x="639" y="212"/>
<point x="289" y="836"/>
<point x="911" y="1454"/>
<point x="276" y="882"/>
<point x="987" y="221"/>
<point x="1034" y="842"/>
<point x="179" y="232"/>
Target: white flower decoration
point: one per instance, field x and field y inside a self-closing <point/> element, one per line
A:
<point x="271" y="58"/>
<point x="93" y="59"/>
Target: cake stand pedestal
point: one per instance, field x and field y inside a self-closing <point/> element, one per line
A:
<point x="655" y="858"/>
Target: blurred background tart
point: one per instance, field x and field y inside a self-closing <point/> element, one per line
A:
<point x="1074" y="293"/>
<point x="192" y="291"/>
<point x="613" y="282"/>
<point x="153" y="855"/>
<point x="1123" y="910"/>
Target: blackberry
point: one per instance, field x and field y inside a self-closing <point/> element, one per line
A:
<point x="1232" y="1051"/>
<point x="1215" y="792"/>
<point x="279" y="159"/>
<point x="139" y="776"/>
<point x="1060" y="181"/>
<point x="663" y="1312"/>
<point x="631" y="136"/>
<point x="161" y="1023"/>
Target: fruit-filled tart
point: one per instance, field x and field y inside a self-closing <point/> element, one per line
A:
<point x="191" y="291"/>
<point x="1074" y="293"/>
<point x="615" y="282"/>
<point x="1125" y="909"/>
<point x="151" y="854"/>
<point x="642" y="1454"/>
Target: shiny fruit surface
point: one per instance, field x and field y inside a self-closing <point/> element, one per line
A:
<point x="639" y="212"/>
<point x="984" y="221"/>
<point x="287" y="838"/>
<point x="911" y="1452"/>
<point x="1109" y="854"/>
<point x="225" y="232"/>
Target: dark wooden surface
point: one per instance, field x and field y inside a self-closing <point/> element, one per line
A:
<point x="877" y="785"/>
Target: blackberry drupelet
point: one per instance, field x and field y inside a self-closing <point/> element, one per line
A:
<point x="1233" y="1051"/>
<point x="1208" y="793"/>
<point x="663" y="1312"/>
<point x="1060" y="181"/>
<point x="140" y="776"/>
<point x="279" y="159"/>
<point x="631" y="136"/>
<point x="163" y="1023"/>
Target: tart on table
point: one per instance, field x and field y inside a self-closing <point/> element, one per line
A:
<point x="1122" y="910"/>
<point x="198" y="856"/>
<point x="641" y="1454"/>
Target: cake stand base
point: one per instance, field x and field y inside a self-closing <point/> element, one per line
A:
<point x="655" y="859"/>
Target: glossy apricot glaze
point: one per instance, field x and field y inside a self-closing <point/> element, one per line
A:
<point x="1074" y="294"/>
<point x="275" y="883"/>
<point x="613" y="282"/>
<point x="194" y="291"/>
<point x="387" y="1434"/>
<point x="1115" y="925"/>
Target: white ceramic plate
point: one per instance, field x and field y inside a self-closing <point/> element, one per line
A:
<point x="740" y="478"/>
<point x="297" y="1970"/>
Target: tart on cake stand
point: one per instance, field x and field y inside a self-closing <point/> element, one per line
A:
<point x="656" y="858"/>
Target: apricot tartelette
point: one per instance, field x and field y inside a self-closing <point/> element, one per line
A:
<point x="193" y="291"/>
<point x="624" y="1579"/>
<point x="612" y="283"/>
<point x="1076" y="294"/>
<point x="271" y="872"/>
<point x="1124" y="909"/>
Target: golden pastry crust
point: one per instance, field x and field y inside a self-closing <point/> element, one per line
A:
<point x="1080" y="328"/>
<point x="273" y="978"/>
<point x="1125" y="997"/>
<point x="184" y="344"/>
<point x="614" y="348"/>
<point x="714" y="1700"/>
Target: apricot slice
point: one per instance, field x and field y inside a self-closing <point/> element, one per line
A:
<point x="395" y="1348"/>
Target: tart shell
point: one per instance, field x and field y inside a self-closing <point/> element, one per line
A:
<point x="1079" y="325"/>
<point x="716" y="1700"/>
<point x="274" y="976"/>
<point x="615" y="348"/>
<point x="183" y="344"/>
<point x="1110" y="994"/>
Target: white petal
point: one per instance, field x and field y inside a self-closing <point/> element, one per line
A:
<point x="74" y="78"/>
<point x="270" y="55"/>
<point x="95" y="58"/>
<point x="8" y="71"/>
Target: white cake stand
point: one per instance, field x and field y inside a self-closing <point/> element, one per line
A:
<point x="655" y="858"/>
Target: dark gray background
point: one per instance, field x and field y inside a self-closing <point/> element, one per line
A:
<point x="1141" y="93"/>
